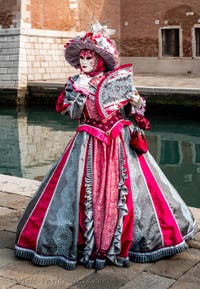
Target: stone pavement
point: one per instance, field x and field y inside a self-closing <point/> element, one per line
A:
<point x="167" y="81"/>
<point x="181" y="86"/>
<point x="179" y="272"/>
<point x="178" y="81"/>
<point x="182" y="90"/>
<point x="144" y="81"/>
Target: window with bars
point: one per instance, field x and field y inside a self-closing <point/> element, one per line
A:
<point x="197" y="41"/>
<point x="170" y="42"/>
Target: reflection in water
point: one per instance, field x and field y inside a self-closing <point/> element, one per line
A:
<point x="30" y="141"/>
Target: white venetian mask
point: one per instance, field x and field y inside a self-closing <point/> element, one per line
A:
<point x="88" y="60"/>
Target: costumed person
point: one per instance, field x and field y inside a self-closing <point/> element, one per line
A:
<point x="105" y="200"/>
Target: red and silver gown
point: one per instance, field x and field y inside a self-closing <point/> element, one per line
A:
<point x="101" y="202"/>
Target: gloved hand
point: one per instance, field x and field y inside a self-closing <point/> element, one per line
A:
<point x="135" y="99"/>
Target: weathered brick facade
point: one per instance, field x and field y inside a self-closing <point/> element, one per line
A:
<point x="52" y="15"/>
<point x="10" y="13"/>
<point x="32" y="34"/>
<point x="141" y="21"/>
<point x="73" y="15"/>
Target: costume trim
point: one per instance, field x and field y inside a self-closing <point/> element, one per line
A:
<point x="70" y="264"/>
<point x="117" y="127"/>
<point x="158" y="254"/>
<point x="98" y="264"/>
<point x="163" y="252"/>
<point x="96" y="132"/>
<point x="40" y="260"/>
<point x="104" y="136"/>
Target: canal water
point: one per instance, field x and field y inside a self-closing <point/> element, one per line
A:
<point x="31" y="140"/>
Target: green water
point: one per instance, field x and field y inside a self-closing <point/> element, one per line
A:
<point x="31" y="140"/>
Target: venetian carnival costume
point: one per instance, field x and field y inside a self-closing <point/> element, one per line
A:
<point x="103" y="201"/>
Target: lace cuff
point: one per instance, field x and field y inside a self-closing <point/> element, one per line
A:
<point x="140" y="109"/>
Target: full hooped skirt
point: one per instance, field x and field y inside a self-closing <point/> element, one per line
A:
<point x="103" y="203"/>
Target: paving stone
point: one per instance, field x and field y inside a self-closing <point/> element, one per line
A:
<point x="6" y="257"/>
<point x="12" y="227"/>
<point x="6" y="283"/>
<point x="185" y="284"/>
<point x="100" y="280"/>
<point x="19" y="270"/>
<point x="147" y="280"/>
<point x="110" y="277"/>
<point x="10" y="221"/>
<point x="19" y="287"/>
<point x="124" y="273"/>
<point x="13" y="201"/>
<point x="194" y="244"/>
<point x="196" y="213"/>
<point x="175" y="266"/>
<point x="7" y="239"/>
<point x="5" y="211"/>
<point x="17" y="185"/>
<point x="190" y="280"/>
<point x="55" y="277"/>
<point x="197" y="237"/>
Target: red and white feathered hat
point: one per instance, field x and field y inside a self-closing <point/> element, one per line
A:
<point x="97" y="39"/>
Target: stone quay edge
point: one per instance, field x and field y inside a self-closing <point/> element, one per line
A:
<point x="164" y="90"/>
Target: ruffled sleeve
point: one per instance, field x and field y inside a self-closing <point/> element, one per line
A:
<point x="70" y="101"/>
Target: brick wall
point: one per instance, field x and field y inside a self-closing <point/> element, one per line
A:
<point x="141" y="21"/>
<point x="10" y="13"/>
<point x="104" y="11"/>
<point x="54" y="15"/>
<point x="73" y="15"/>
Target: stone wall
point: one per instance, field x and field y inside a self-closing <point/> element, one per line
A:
<point x="44" y="54"/>
<point x="31" y="54"/>
<point x="165" y="65"/>
<point x="9" y="57"/>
